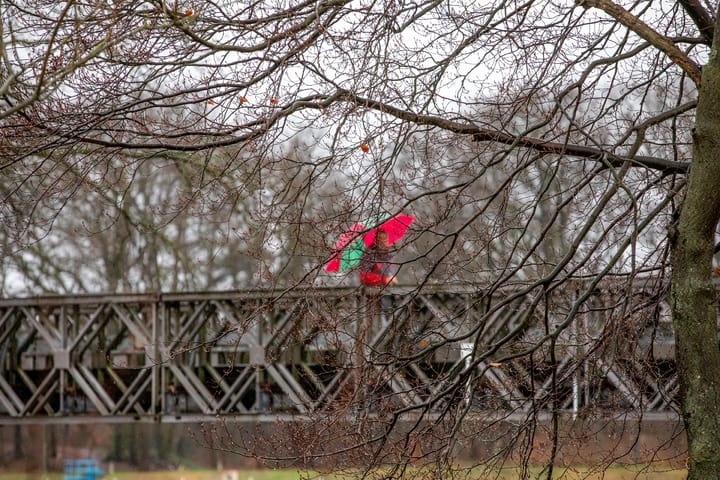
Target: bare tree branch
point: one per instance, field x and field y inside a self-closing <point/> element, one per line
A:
<point x="702" y="18"/>
<point x="539" y="145"/>
<point x="636" y="25"/>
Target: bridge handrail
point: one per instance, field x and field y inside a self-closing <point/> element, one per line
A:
<point x="290" y="292"/>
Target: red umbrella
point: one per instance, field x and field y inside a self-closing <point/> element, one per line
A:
<point x="357" y="239"/>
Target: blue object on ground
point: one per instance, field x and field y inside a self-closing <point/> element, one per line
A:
<point x="82" y="469"/>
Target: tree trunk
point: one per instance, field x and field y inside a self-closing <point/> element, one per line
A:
<point x="693" y="294"/>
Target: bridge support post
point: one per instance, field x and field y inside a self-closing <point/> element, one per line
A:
<point x="368" y="311"/>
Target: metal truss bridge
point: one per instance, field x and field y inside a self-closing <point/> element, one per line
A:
<point x="190" y="356"/>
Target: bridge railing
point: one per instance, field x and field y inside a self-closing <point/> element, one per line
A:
<point x="309" y="350"/>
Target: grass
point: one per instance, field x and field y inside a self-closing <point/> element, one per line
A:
<point x="614" y="473"/>
<point x="206" y="475"/>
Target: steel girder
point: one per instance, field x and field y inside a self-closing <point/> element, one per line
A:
<point x="306" y="351"/>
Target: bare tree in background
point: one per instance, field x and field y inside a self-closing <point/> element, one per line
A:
<point x="537" y="143"/>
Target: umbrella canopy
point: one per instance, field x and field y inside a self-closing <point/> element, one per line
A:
<point x="357" y="239"/>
